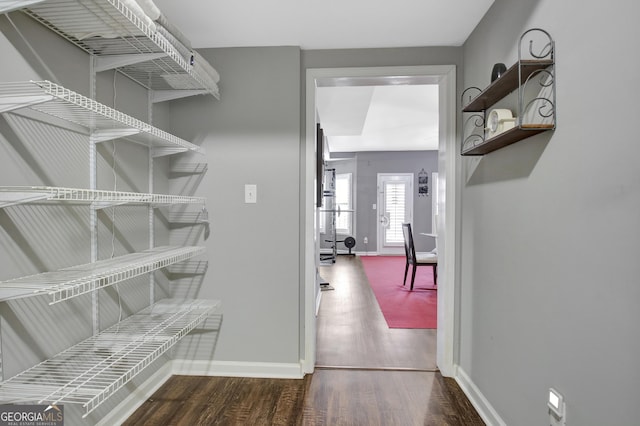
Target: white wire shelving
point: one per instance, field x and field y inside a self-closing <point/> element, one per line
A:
<point x="74" y="281"/>
<point x="99" y="199"/>
<point x="103" y="122"/>
<point x="93" y="370"/>
<point x="112" y="32"/>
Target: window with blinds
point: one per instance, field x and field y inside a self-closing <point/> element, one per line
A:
<point x="395" y="206"/>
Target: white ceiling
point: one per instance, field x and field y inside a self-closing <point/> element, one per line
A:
<point x="325" y="24"/>
<point x="365" y="118"/>
<point x="379" y="118"/>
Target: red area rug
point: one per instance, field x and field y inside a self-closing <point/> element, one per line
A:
<point x="401" y="307"/>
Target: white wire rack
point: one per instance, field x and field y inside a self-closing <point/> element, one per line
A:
<point x="99" y="199"/>
<point x="71" y="282"/>
<point x="109" y="29"/>
<point x="105" y="123"/>
<point x="93" y="370"/>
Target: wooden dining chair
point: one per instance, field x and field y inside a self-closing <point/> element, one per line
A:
<point x="419" y="259"/>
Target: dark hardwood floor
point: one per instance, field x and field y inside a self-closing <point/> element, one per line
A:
<point x="367" y="374"/>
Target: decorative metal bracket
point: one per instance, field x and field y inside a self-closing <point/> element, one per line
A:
<point x="537" y="92"/>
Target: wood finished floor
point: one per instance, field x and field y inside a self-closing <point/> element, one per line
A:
<point x="352" y="331"/>
<point x="377" y="376"/>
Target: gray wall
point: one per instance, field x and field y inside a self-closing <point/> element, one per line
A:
<point x="365" y="167"/>
<point x="39" y="238"/>
<point x="251" y="136"/>
<point x="372" y="163"/>
<point x="550" y="226"/>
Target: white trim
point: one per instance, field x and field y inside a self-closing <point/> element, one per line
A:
<point x="449" y="182"/>
<point x="318" y="300"/>
<point x="138" y="395"/>
<point x="272" y="370"/>
<point x="489" y="415"/>
<point x="445" y="76"/>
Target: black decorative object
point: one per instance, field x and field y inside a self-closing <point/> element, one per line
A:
<point x="497" y="71"/>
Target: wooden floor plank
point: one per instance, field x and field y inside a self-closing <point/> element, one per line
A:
<point x="351" y="330"/>
<point x="375" y="382"/>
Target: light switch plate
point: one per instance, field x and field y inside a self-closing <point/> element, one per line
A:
<point x="250" y="193"/>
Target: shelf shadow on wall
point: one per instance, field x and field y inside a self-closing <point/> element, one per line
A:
<point x="10" y="227"/>
<point x="510" y="163"/>
<point x="18" y="145"/>
<point x="106" y="153"/>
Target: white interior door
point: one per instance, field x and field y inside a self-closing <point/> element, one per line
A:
<point x="395" y="207"/>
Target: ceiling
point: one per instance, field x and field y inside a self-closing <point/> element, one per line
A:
<point x="379" y="118"/>
<point x="328" y="24"/>
<point x="371" y="118"/>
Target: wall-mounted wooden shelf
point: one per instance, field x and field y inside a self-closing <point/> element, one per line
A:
<point x="533" y="116"/>
<point x="505" y="139"/>
<point x="506" y="84"/>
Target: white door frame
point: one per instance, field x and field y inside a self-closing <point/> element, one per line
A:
<point x="445" y="77"/>
<point x="381" y="248"/>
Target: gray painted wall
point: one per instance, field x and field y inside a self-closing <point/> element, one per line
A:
<point x="251" y="136"/>
<point x="550" y="226"/>
<point x="365" y="167"/>
<point x="39" y="238"/>
<point x="372" y="163"/>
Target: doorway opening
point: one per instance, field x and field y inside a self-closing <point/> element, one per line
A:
<point x="444" y="77"/>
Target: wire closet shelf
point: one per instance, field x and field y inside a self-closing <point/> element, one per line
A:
<point x="98" y="198"/>
<point x="74" y="281"/>
<point x="93" y="370"/>
<point x="103" y="122"/>
<point x="111" y="29"/>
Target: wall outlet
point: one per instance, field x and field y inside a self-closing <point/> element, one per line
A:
<point x="366" y="240"/>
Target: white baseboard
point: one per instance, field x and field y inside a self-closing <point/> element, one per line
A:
<point x="489" y="415"/>
<point x="132" y="402"/>
<point x="366" y="253"/>
<point x="272" y="370"/>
